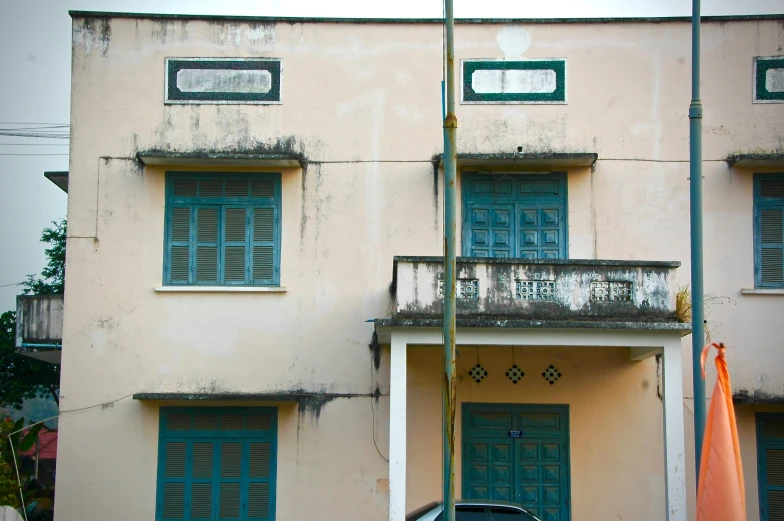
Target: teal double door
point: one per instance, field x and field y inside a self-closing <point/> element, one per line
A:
<point x="518" y="453"/>
<point x="515" y="215"/>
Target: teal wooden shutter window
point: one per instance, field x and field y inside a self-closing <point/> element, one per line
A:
<point x="770" y="463"/>
<point x="180" y="244"/>
<point x="515" y="215"/>
<point x="235" y="241"/>
<point x="203" y="461"/>
<point x="769" y="231"/>
<point x="222" y="230"/>
<point x="259" y="480"/>
<point x="264" y="219"/>
<point x="206" y="245"/>
<point x="174" y="486"/>
<point x="217" y="464"/>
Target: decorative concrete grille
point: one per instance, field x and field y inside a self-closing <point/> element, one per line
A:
<point x="535" y="289"/>
<point x="611" y="291"/>
<point x="465" y="288"/>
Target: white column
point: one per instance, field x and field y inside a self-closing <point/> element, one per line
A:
<point x="397" y="428"/>
<point x="674" y="437"/>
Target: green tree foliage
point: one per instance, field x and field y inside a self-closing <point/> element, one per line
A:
<point x="22" y="441"/>
<point x="9" y="487"/>
<point x="52" y="280"/>
<point x="22" y="377"/>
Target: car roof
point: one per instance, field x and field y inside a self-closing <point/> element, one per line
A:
<point x="486" y="503"/>
<point x="465" y="502"/>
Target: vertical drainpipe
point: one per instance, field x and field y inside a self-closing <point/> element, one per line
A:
<point x="695" y="192"/>
<point x="450" y="256"/>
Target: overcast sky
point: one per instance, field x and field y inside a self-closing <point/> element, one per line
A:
<point x="35" y="83"/>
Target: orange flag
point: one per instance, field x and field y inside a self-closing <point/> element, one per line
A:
<point x="720" y="493"/>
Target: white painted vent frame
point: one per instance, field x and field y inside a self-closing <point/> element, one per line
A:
<point x="168" y="101"/>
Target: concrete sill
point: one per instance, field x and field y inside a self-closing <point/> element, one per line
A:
<point x="761" y="291"/>
<point x="220" y="289"/>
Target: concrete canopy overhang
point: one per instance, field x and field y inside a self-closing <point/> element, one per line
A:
<point x="384" y="327"/>
<point x="525" y="161"/>
<point x="200" y="158"/>
<point x="745" y="161"/>
<point x="644" y="339"/>
<point x="58" y="178"/>
<point x="284" y="396"/>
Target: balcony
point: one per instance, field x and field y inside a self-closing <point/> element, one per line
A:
<point x="572" y="293"/>
<point x="39" y="326"/>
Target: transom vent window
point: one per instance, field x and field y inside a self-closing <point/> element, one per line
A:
<point x="769" y="231"/>
<point x="222" y="230"/>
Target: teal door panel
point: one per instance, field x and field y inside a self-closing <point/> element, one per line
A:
<point x="491" y="470"/>
<point x="508" y="215"/>
<point x="543" y="423"/>
<point x="532" y="469"/>
<point x="546" y="496"/>
<point x="491" y="230"/>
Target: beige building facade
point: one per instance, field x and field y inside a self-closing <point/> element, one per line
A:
<point x="252" y="307"/>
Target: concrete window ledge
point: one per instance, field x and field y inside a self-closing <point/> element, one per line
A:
<point x="761" y="291"/>
<point x="220" y="289"/>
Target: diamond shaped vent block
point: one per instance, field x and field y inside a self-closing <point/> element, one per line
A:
<point x="515" y="374"/>
<point x="551" y="374"/>
<point x="478" y="373"/>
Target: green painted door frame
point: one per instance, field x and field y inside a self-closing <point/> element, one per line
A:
<point x="519" y="453"/>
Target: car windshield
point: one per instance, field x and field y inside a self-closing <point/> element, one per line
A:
<point x="510" y="514"/>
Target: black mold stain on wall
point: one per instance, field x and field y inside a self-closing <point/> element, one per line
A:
<point x="375" y="351"/>
<point x="99" y="30"/>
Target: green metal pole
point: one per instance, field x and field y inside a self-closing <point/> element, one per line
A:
<point x="695" y="194"/>
<point x="450" y="262"/>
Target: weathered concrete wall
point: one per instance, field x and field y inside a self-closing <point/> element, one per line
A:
<point x="362" y="104"/>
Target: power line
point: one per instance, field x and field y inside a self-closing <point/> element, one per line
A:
<point x="34" y="144"/>
<point x="14" y="284"/>
<point x="29" y="123"/>
<point x="5" y="154"/>
<point x="43" y="128"/>
<point x="36" y="134"/>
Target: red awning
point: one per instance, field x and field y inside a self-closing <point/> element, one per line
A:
<point x="47" y="445"/>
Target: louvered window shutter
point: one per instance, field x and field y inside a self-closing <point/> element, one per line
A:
<point x="259" y="480"/>
<point x="230" y="480"/>
<point x="264" y="228"/>
<point x="180" y="244"/>
<point x="770" y="232"/>
<point x="174" y="462"/>
<point x="206" y="245"/>
<point x="771" y="246"/>
<point x="202" y="465"/>
<point x="217" y="465"/>
<point x="235" y="240"/>
<point x="223" y="231"/>
<point x="770" y="446"/>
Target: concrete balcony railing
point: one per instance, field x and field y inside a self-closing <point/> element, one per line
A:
<point x="496" y="291"/>
<point x="39" y="326"/>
